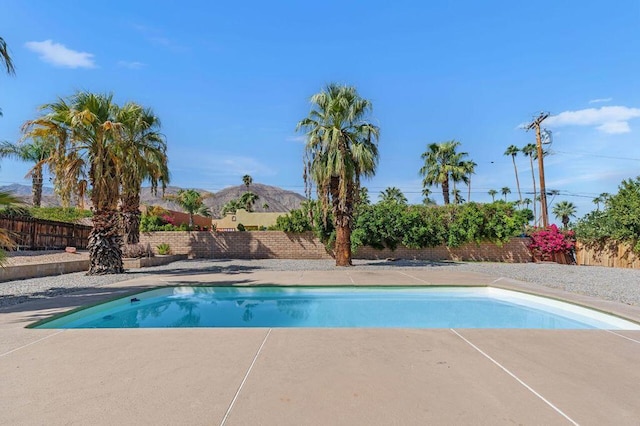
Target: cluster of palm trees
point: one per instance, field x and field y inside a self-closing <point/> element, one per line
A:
<point x="444" y="166"/>
<point x="94" y="146"/>
<point x="246" y="201"/>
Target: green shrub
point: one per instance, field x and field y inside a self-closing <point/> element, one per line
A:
<point x="241" y="227"/>
<point x="60" y="214"/>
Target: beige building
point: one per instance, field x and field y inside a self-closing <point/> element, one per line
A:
<point x="250" y="220"/>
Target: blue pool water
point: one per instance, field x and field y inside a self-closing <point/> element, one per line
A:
<point x="410" y="307"/>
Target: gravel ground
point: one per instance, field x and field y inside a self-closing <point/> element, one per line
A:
<point x="622" y="285"/>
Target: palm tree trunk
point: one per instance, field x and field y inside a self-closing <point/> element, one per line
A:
<point x="105" y="244"/>
<point x="469" y="190"/>
<point x="445" y="190"/>
<point x="36" y="186"/>
<point x="515" y="168"/>
<point x="131" y="219"/>
<point x="343" y="215"/>
<point x="533" y="175"/>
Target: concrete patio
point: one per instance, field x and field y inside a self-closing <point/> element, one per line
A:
<point x="315" y="376"/>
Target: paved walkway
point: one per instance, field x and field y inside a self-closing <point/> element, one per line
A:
<point x="315" y="376"/>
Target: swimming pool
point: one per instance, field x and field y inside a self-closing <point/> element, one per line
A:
<point x="273" y="306"/>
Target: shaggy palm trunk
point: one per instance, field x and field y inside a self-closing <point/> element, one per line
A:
<point x="36" y="186"/>
<point x="343" y="217"/>
<point x="131" y="219"/>
<point x="445" y="190"/>
<point x="105" y="244"/>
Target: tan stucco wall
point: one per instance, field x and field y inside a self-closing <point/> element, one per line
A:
<point x="248" y="219"/>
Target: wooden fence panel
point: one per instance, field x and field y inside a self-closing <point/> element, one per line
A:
<point x="38" y="234"/>
<point x="612" y="254"/>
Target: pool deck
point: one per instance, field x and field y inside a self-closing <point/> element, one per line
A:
<point x="315" y="376"/>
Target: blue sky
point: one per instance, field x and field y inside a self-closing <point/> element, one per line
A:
<point x="230" y="81"/>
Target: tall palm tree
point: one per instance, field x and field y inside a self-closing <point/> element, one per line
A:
<point x="5" y="58"/>
<point x="526" y="202"/>
<point x="564" y="210"/>
<point x="505" y="190"/>
<point x="602" y="198"/>
<point x="37" y="151"/>
<point x="144" y="151"/>
<point x="393" y="195"/>
<point x="192" y="202"/>
<point x="87" y="129"/>
<point x="427" y="200"/>
<point x="442" y="163"/>
<point x="247" y="180"/>
<point x="469" y="168"/>
<point x="530" y="151"/>
<point x="492" y="193"/>
<point x="342" y="148"/>
<point x="513" y="151"/>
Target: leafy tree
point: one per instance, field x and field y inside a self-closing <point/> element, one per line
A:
<point x="493" y="193"/>
<point x="393" y="195"/>
<point x="37" y="151"/>
<point x="192" y="202"/>
<point x="441" y="164"/>
<point x="86" y="126"/>
<point x="504" y="191"/>
<point x="247" y="180"/>
<point x="563" y="211"/>
<point x="341" y="147"/>
<point x="144" y="151"/>
<point x="513" y="151"/>
<point x="530" y="151"/>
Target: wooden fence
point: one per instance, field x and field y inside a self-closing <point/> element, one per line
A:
<point x="612" y="253"/>
<point x="38" y="234"/>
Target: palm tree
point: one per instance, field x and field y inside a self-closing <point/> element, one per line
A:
<point x="513" y="151"/>
<point x="427" y="200"/>
<point x="469" y="168"/>
<point x="505" y="190"/>
<point x="341" y="147"/>
<point x="441" y="163"/>
<point x="5" y="58"/>
<point x="37" y="151"/>
<point x="144" y="151"/>
<point x="530" y="151"/>
<point x="602" y="198"/>
<point x="86" y="125"/>
<point x="563" y="210"/>
<point x="247" y="180"/>
<point x="265" y="206"/>
<point x="493" y="193"/>
<point x="526" y="202"/>
<point x="248" y="199"/>
<point x="191" y="201"/>
<point x="393" y="195"/>
<point x="457" y="197"/>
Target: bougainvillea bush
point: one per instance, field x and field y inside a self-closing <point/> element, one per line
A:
<point x="549" y="241"/>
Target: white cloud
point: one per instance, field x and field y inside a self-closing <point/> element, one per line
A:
<point x="61" y="56"/>
<point x="131" y="65"/>
<point x="609" y="119"/>
<point x="600" y="100"/>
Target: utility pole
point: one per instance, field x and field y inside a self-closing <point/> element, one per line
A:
<point x="535" y="124"/>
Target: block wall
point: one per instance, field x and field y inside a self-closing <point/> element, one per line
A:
<point x="281" y="245"/>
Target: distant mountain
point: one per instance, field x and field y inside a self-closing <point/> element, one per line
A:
<point x="278" y="199"/>
<point x="23" y="192"/>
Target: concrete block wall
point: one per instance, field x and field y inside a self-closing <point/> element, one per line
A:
<point x="282" y="245"/>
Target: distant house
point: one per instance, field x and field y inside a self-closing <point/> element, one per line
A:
<point x="179" y="218"/>
<point x="250" y="220"/>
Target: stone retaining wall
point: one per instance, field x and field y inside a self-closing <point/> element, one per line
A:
<point x="281" y="245"/>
